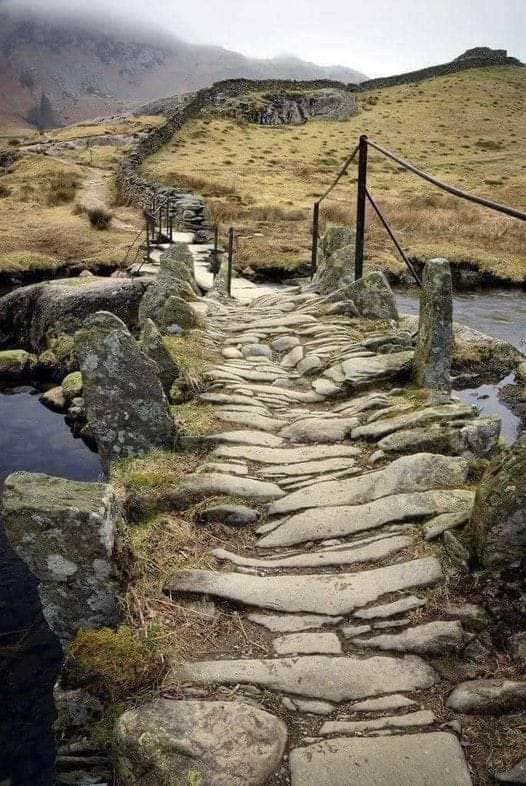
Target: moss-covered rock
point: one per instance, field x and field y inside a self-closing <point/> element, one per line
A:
<point x="152" y="345"/>
<point x="198" y="743"/>
<point x="126" y="408"/>
<point x="15" y="364"/>
<point x="497" y="529"/>
<point x="72" y="386"/>
<point x="432" y="362"/>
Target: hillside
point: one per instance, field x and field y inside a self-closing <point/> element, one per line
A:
<point x="468" y="128"/>
<point x="86" y="72"/>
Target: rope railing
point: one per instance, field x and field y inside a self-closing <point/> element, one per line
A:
<point x="364" y="196"/>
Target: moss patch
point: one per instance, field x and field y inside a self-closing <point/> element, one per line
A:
<point x="193" y="356"/>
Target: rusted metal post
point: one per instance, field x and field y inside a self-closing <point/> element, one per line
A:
<point x="315" y="233"/>
<point x="360" y="208"/>
<point x="230" y="258"/>
<point x="215" y="254"/>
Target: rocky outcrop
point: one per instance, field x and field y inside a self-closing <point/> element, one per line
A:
<point x="221" y="743"/>
<point x="31" y="315"/>
<point x="127" y="411"/>
<point x="498" y="523"/>
<point x="64" y="531"/>
<point x="288" y="107"/>
<point x="372" y="297"/>
<point x="432" y="362"/>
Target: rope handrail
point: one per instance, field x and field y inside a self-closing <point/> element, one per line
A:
<point x="510" y="211"/>
<point x="340" y="174"/>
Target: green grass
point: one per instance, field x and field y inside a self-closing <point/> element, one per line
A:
<point x="468" y="129"/>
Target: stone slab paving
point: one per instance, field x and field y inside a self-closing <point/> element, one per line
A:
<point x="341" y="553"/>
<point x="411" y="760"/>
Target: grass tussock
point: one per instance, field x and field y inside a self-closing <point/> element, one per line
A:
<point x="100" y="218"/>
<point x="481" y="149"/>
<point x="156" y="470"/>
<point x="193" y="356"/>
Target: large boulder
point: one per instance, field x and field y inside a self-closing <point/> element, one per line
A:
<point x="372" y="297"/>
<point x="29" y="316"/>
<point x="498" y="524"/>
<point x="432" y="361"/>
<point x="219" y="743"/>
<point x="153" y="345"/>
<point x="64" y="532"/>
<point x="127" y="411"/>
<point x="167" y="303"/>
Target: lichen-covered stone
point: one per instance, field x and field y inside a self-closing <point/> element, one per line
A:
<point x="72" y="386"/>
<point x="497" y="529"/>
<point x="175" y="743"/>
<point x="64" y="532"/>
<point x="30" y="316"/>
<point x="15" y="364"/>
<point x="128" y="413"/>
<point x="372" y="297"/>
<point x="178" y="263"/>
<point x="152" y="345"/>
<point x="432" y="362"/>
<point x="165" y="302"/>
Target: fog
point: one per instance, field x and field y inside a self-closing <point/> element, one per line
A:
<point x="377" y="37"/>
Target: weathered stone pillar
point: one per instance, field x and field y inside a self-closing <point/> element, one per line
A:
<point x="432" y="363"/>
<point x="127" y="411"/>
<point x="63" y="530"/>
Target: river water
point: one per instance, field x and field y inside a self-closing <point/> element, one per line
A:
<point x="35" y="439"/>
<point x="498" y="313"/>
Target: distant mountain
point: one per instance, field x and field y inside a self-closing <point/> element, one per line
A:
<point x="61" y="71"/>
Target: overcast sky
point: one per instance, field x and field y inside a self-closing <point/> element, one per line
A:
<point x="374" y="36"/>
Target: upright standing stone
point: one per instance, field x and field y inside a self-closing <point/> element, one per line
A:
<point x="64" y="532"/>
<point x="127" y="411"/>
<point x="432" y="363"/>
<point x="152" y="345"/>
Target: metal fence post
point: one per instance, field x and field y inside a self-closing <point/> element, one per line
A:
<point x="215" y="257"/>
<point x="230" y="257"/>
<point x="360" y="208"/>
<point x="315" y="228"/>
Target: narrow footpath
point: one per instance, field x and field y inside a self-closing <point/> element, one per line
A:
<point x="346" y="603"/>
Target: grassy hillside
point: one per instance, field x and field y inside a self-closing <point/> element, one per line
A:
<point x="43" y="199"/>
<point x="468" y="129"/>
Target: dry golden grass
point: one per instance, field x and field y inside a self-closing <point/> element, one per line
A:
<point x="468" y="129"/>
<point x="39" y="226"/>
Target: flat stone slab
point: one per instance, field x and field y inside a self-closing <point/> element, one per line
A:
<point x="345" y="555"/>
<point x="299" y="455"/>
<point x="433" y="759"/>
<point x="391" y="609"/>
<point x="216" y="483"/>
<point x="314" y="676"/>
<point x="433" y="638"/>
<point x="308" y="644"/>
<point x="308" y="705"/>
<point x="219" y="743"/>
<point x="382" y="427"/>
<point x="306" y="396"/>
<point x="321" y="523"/>
<point x="319" y="429"/>
<point x="308" y="467"/>
<point x="488" y="697"/>
<point x="412" y="719"/>
<point x="251" y="419"/>
<point x="395" y="702"/>
<point x="249" y="437"/>
<point x="283" y="623"/>
<point x="421" y="472"/>
<point x="320" y="594"/>
<point x="361" y="372"/>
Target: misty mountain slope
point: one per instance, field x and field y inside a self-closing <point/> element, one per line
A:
<point x="85" y="72"/>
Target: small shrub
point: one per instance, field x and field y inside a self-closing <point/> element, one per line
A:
<point x="13" y="142"/>
<point x="100" y="218"/>
<point x="4" y="191"/>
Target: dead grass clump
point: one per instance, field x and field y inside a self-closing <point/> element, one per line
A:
<point x="273" y="213"/>
<point x="336" y="214"/>
<point x="100" y="218"/>
<point x="4" y="191"/>
<point x="61" y="188"/>
<point x="207" y="186"/>
<point x="117" y="664"/>
<point x="196" y="419"/>
<point x="156" y="470"/>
